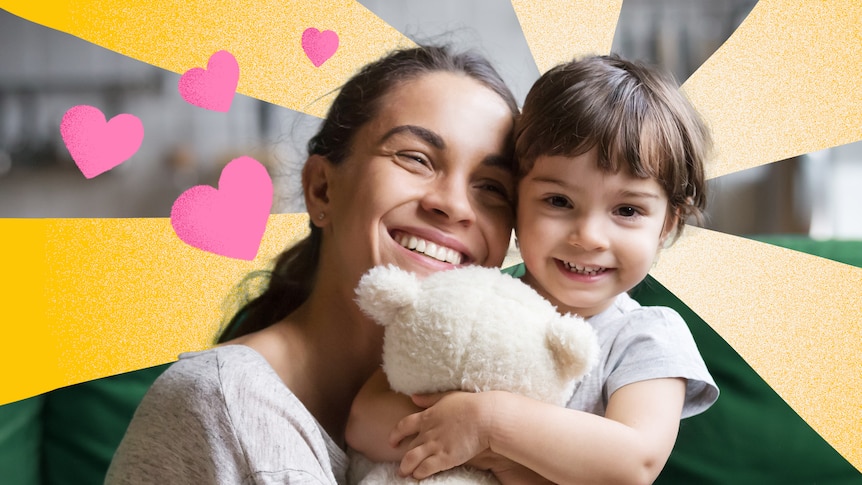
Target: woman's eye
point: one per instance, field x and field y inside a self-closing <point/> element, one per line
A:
<point x="557" y="201"/>
<point x="495" y="188"/>
<point x="414" y="157"/>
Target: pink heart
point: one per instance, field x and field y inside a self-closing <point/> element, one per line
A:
<point x="319" y="46"/>
<point x="212" y="88"/>
<point x="229" y="221"/>
<point x="97" y="146"/>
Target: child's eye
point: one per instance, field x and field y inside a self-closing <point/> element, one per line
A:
<point x="558" y="201"/>
<point x="628" y="211"/>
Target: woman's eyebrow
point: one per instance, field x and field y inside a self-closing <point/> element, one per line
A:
<point x="427" y="135"/>
<point x="498" y="161"/>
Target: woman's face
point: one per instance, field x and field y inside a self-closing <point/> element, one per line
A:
<point x="426" y="185"/>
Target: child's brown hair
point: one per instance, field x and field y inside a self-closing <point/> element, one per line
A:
<point x="633" y="113"/>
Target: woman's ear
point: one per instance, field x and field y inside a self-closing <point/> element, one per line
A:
<point x="316" y="176"/>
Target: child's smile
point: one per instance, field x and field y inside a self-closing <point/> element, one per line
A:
<point x="582" y="273"/>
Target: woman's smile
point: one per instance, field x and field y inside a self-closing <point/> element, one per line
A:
<point x="437" y="251"/>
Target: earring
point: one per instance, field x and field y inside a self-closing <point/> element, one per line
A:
<point x="321" y="216"/>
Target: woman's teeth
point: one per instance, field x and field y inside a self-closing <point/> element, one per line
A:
<point x="584" y="270"/>
<point x="430" y="249"/>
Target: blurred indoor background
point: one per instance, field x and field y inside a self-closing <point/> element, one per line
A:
<point x="43" y="73"/>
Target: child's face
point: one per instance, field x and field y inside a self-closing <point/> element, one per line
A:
<point x="585" y="235"/>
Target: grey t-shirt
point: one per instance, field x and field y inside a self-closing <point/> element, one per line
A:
<point x="224" y="416"/>
<point x="640" y="343"/>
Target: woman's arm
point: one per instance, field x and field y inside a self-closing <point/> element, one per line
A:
<point x="629" y="445"/>
<point x="375" y="412"/>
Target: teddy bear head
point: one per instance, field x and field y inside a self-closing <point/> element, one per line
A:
<point x="475" y="329"/>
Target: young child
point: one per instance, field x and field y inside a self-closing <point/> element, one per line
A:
<point x="611" y="165"/>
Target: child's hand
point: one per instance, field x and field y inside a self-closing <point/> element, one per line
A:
<point x="452" y="429"/>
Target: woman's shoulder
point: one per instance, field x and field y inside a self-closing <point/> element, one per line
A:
<point x="232" y="356"/>
<point x="216" y="369"/>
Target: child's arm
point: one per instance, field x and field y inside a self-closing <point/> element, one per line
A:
<point x="630" y="445"/>
<point x="376" y="410"/>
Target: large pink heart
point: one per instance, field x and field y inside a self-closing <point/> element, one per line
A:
<point x="229" y="221"/>
<point x="212" y="88"/>
<point x="97" y="145"/>
<point x="319" y="46"/>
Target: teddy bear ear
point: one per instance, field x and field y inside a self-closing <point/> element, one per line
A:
<point x="383" y="290"/>
<point x="574" y="345"/>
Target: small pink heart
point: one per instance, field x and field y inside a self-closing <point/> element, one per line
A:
<point x="229" y="221"/>
<point x="212" y="88"/>
<point x="97" y="146"/>
<point x="319" y="46"/>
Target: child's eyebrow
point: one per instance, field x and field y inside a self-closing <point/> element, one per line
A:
<point x="425" y="134"/>
<point x="549" y="180"/>
<point x="639" y="194"/>
<point x="643" y="194"/>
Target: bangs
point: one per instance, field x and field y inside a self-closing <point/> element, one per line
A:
<point x="633" y="114"/>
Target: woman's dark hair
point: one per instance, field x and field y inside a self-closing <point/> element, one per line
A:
<point x="294" y="273"/>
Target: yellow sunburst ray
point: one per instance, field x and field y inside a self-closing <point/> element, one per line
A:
<point x="558" y="31"/>
<point x="784" y="84"/>
<point x="89" y="298"/>
<point x="793" y="317"/>
<point x="89" y="310"/>
<point x="265" y="38"/>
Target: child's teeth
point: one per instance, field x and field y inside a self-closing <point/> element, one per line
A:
<point x="582" y="269"/>
<point x="412" y="243"/>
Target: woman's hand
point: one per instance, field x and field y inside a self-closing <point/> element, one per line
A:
<point x="507" y="471"/>
<point x="452" y="430"/>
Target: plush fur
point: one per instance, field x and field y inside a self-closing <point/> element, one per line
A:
<point x="472" y="329"/>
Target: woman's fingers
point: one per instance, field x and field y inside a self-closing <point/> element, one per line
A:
<point x="427" y="400"/>
<point x="406" y="428"/>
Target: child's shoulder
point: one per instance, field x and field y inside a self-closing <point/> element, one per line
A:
<point x="628" y="321"/>
<point x="627" y="309"/>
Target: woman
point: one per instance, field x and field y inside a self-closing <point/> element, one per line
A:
<point x="411" y="167"/>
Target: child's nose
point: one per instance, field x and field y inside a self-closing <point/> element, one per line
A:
<point x="588" y="232"/>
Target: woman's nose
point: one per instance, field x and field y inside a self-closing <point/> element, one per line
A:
<point x="449" y="196"/>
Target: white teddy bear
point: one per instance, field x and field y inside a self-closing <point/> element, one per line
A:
<point x="471" y="329"/>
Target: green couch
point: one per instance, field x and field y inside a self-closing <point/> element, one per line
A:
<point x="750" y="436"/>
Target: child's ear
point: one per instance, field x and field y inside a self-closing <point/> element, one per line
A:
<point x="670" y="225"/>
<point x="316" y="176"/>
